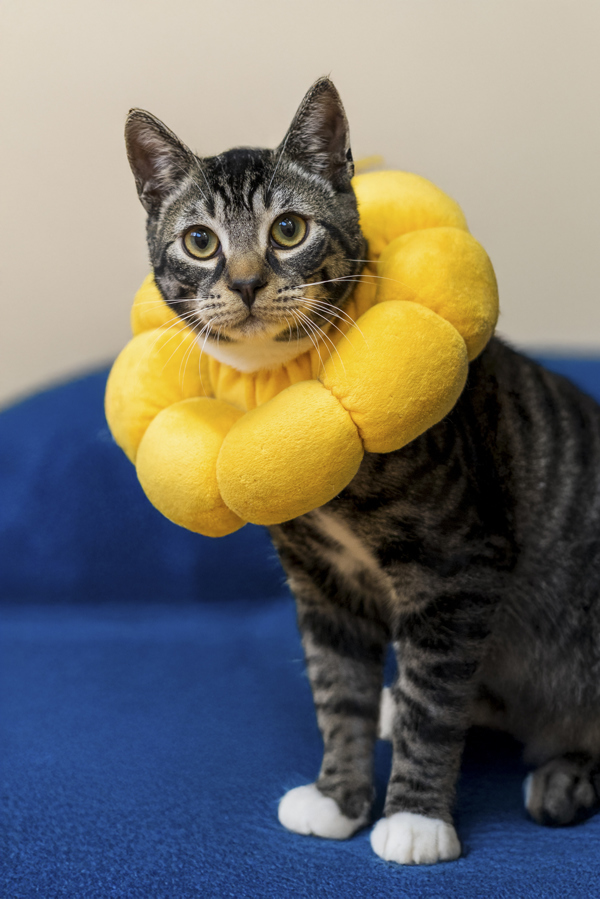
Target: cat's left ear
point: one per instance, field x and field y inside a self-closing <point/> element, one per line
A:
<point x="319" y="137"/>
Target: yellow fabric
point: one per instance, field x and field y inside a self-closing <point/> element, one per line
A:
<point x="415" y="375"/>
<point x="299" y="447"/>
<point x="215" y="447"/>
<point x="177" y="464"/>
<point x="156" y="369"/>
<point x="149" y="309"/>
<point x="449" y="272"/>
<point x="395" y="203"/>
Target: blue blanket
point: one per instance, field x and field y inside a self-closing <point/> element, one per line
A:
<point x="155" y="707"/>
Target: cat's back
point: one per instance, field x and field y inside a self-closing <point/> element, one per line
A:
<point x="541" y="433"/>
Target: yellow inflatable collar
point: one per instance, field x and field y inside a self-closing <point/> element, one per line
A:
<point x="215" y="447"/>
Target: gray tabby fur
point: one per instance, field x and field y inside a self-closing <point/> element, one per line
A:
<point x="474" y="550"/>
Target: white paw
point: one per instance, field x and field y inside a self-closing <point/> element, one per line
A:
<point x="305" y="810"/>
<point x="411" y="839"/>
<point x="387" y="711"/>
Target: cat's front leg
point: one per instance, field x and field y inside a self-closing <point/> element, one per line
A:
<point x="344" y="656"/>
<point x="439" y="644"/>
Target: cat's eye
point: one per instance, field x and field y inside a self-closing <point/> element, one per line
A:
<point x="200" y="242"/>
<point x="288" y="230"/>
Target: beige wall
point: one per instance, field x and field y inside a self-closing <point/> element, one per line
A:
<point x="495" y="100"/>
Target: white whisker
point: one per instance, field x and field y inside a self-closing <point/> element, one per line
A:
<point x="332" y="324"/>
<point x="186" y="357"/>
<point x="334" y="310"/>
<point x="204" y="344"/>
<point x="319" y="331"/>
<point x="350" y="279"/>
<point x="325" y="336"/>
<point x="207" y="325"/>
<point x="311" y="336"/>
<point x="183" y="319"/>
<point x="183" y="337"/>
<point x="164" y="303"/>
<point x="289" y="328"/>
<point x="163" y="329"/>
<point x="356" y="279"/>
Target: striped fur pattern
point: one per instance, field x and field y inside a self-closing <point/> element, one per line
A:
<point x="474" y="550"/>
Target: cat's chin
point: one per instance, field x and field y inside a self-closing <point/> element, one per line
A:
<point x="253" y="352"/>
<point x="252" y="326"/>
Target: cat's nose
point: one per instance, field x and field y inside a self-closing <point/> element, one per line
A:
<point x="247" y="287"/>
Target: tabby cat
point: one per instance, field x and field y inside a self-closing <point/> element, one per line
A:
<point x="474" y="550"/>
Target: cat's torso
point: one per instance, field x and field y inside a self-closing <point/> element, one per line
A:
<point x="508" y="486"/>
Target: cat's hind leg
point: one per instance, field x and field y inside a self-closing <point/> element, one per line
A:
<point x="566" y="790"/>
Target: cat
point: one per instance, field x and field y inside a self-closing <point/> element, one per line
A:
<point x="474" y="550"/>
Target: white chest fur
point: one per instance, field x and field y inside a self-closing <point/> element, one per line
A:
<point x="255" y="353"/>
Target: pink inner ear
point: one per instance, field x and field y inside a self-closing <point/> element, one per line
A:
<point x="319" y="137"/>
<point x="157" y="157"/>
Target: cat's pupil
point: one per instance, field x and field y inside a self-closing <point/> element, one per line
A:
<point x="287" y="228"/>
<point x="200" y="239"/>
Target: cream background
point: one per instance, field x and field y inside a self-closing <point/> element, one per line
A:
<point x="494" y="100"/>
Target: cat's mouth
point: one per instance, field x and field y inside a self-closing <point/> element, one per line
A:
<point x="252" y="325"/>
<point x="255" y="324"/>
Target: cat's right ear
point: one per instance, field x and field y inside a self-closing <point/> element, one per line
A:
<point x="158" y="159"/>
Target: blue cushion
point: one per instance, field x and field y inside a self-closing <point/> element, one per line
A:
<point x="75" y="525"/>
<point x="155" y="705"/>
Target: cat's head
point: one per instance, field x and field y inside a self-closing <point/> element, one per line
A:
<point x="255" y="249"/>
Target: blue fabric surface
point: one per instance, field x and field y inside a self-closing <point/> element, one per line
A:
<point x="155" y="707"/>
<point x="76" y="527"/>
